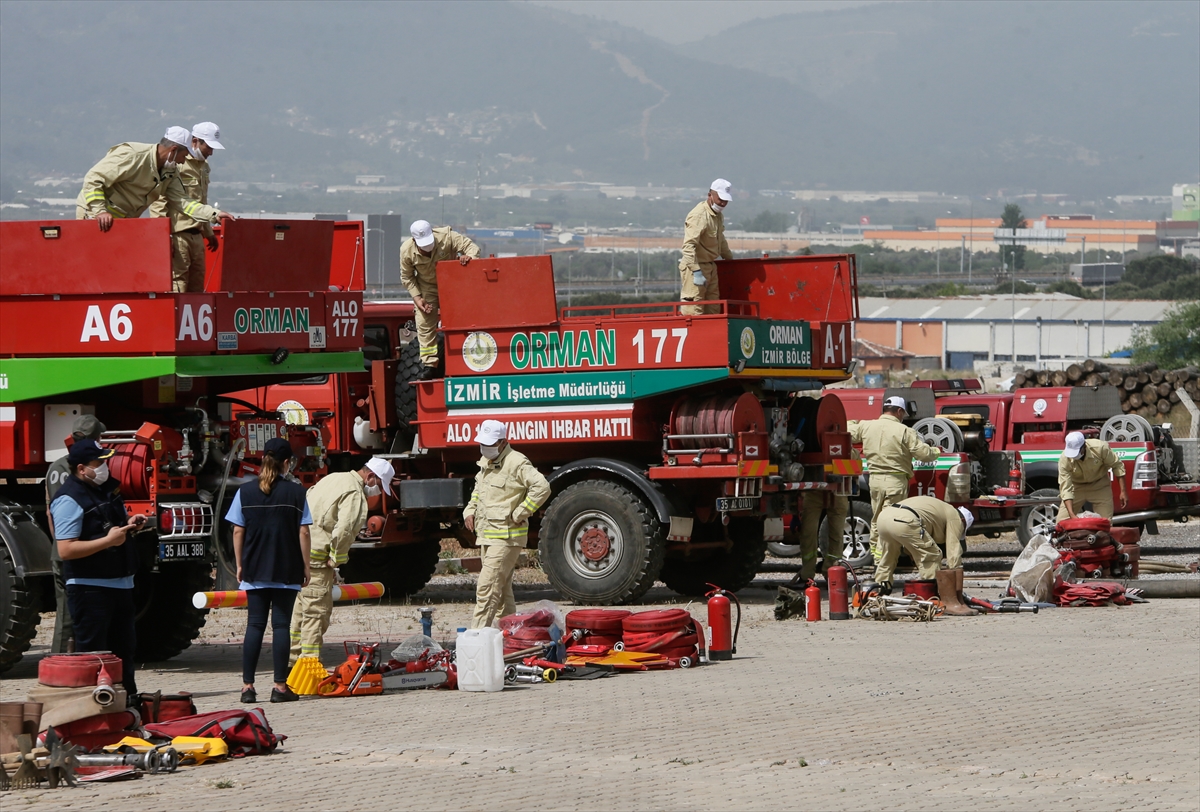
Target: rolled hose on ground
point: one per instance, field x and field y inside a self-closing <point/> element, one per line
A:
<point x="1165" y="587"/>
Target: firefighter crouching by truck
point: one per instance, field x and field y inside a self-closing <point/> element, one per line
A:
<point x="508" y="490"/>
<point x="918" y="525"/>
<point x="1084" y="471"/>
<point x="338" y="505"/>
<point x="888" y="447"/>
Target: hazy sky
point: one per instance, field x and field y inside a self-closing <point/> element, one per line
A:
<point x="679" y="21"/>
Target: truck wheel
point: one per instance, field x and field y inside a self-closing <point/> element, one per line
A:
<point x="20" y="600"/>
<point x="404" y="569"/>
<point x="856" y="539"/>
<point x="732" y="570"/>
<point x="1039" y="518"/>
<point x="407" y="370"/>
<point x="601" y="543"/>
<point x="167" y="623"/>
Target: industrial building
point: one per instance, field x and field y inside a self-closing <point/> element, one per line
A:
<point x="1043" y="327"/>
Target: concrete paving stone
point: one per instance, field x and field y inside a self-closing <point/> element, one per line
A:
<point x="1072" y="709"/>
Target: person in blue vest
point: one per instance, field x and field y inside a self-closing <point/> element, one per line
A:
<point x="271" y="544"/>
<point x="93" y="532"/>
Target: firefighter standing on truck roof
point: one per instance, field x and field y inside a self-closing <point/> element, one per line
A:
<point x="187" y="234"/>
<point x="338" y="506"/>
<point x="419" y="257"/>
<point x="132" y="176"/>
<point x="888" y="447"/>
<point x="703" y="244"/>
<point x="508" y="490"/>
<point x="86" y="427"/>
<point x="919" y="524"/>
<point x="1084" y="475"/>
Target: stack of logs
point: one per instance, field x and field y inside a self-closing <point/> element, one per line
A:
<point x="1145" y="389"/>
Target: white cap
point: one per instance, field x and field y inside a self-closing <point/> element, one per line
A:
<point x="183" y="138"/>
<point x="422" y="233"/>
<point x="721" y="187"/>
<point x="208" y="132"/>
<point x="897" y="402"/>
<point x="1074" y="449"/>
<point x="384" y="470"/>
<point x="968" y="519"/>
<point x="491" y="432"/>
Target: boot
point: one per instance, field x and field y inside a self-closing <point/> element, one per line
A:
<point x="948" y="592"/>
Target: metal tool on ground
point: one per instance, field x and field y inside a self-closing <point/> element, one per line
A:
<point x="722" y="641"/>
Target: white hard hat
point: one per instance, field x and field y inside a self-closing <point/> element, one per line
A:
<point x="968" y="519"/>
<point x="491" y="432"/>
<point x="896" y="402"/>
<point x="208" y="132"/>
<point x="1074" y="449"/>
<point x="422" y="233"/>
<point x="722" y="187"/>
<point x="180" y="136"/>
<point x="384" y="470"/>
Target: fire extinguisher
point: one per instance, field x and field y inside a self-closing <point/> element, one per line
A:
<point x="722" y="645"/>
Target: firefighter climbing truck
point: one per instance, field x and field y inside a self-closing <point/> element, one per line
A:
<point x="88" y="325"/>
<point x="675" y="444"/>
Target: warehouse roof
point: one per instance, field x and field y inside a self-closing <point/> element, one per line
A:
<point x="1050" y="307"/>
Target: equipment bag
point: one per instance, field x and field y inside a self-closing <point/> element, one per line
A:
<point x="156" y="707"/>
<point x="247" y="732"/>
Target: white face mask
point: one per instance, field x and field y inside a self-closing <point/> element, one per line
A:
<point x="490" y="451"/>
<point x="100" y="475"/>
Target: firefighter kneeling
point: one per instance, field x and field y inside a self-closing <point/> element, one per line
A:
<point x="919" y="525"/>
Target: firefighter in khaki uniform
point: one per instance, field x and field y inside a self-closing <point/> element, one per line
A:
<point x="338" y="505"/>
<point x="1083" y="476"/>
<point x="888" y="447"/>
<point x="508" y="490"/>
<point x="419" y="257"/>
<point x="188" y="235"/>
<point x="132" y="176"/>
<point x="919" y="524"/>
<point x="703" y="244"/>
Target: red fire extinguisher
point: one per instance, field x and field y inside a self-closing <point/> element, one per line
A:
<point x="722" y="644"/>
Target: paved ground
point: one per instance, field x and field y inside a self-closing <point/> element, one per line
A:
<point x="1068" y="709"/>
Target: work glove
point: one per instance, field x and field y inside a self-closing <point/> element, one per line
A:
<point x="698" y="278"/>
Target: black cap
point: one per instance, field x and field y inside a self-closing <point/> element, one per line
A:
<point x="85" y="450"/>
<point x="278" y="448"/>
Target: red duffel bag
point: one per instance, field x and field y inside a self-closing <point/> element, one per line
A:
<point x="78" y="670"/>
<point x="1089" y="523"/>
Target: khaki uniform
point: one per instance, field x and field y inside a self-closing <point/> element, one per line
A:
<point x="508" y="490"/>
<point x="888" y="446"/>
<point x="936" y="523"/>
<point x="703" y="244"/>
<point x="338" y="504"/>
<point x="127" y="181"/>
<point x="1087" y="479"/>
<point x="187" y="260"/>
<point x="837" y="506"/>
<point x="418" y="273"/>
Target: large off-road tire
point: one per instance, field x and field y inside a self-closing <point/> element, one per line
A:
<point x="167" y="623"/>
<point x="20" y="601"/>
<point x="404" y="569"/>
<point x="1038" y="518"/>
<point x="409" y="369"/>
<point x="732" y="570"/>
<point x="856" y="538"/>
<point x="600" y="543"/>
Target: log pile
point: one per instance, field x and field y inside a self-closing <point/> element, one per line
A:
<point x="1145" y="389"/>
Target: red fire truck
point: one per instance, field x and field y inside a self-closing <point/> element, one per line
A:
<point x="88" y="325"/>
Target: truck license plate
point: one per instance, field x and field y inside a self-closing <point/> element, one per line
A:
<point x="730" y="504"/>
<point x="180" y="550"/>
